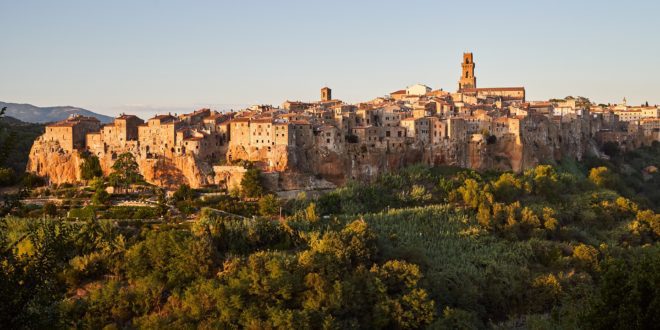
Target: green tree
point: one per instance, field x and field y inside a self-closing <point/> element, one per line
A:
<point x="251" y="183"/>
<point x="269" y="205"/>
<point x="100" y="197"/>
<point x="7" y="143"/>
<point x="162" y="202"/>
<point x="627" y="295"/>
<point x="90" y="167"/>
<point x="125" y="171"/>
<point x="30" y="282"/>
<point x="183" y="193"/>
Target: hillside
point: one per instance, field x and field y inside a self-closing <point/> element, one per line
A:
<point x="572" y="246"/>
<point x="33" y="114"/>
<point x="16" y="138"/>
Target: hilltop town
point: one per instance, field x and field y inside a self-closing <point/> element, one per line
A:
<point x="327" y="142"/>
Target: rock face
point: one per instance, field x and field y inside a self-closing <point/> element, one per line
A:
<point x="49" y="159"/>
<point x="294" y="167"/>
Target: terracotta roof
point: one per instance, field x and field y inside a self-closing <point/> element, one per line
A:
<point x="72" y="121"/>
<point x="401" y="91"/>
<point x="164" y="118"/>
<point x="124" y="116"/>
<point x="471" y="90"/>
<point x="240" y="120"/>
<point x="290" y="114"/>
<point x="300" y="122"/>
<point x="325" y="127"/>
<point x="263" y="120"/>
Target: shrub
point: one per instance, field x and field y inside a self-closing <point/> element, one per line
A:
<point x="7" y="177"/>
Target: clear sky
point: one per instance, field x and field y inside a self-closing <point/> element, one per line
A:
<point x="147" y="55"/>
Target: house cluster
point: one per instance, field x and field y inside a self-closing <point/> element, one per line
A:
<point x="419" y="115"/>
<point x="414" y="116"/>
<point x="203" y="133"/>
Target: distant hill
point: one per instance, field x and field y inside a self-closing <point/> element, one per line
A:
<point x="33" y="114"/>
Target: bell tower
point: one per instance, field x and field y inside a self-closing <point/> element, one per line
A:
<point x="326" y="94"/>
<point x="468" y="80"/>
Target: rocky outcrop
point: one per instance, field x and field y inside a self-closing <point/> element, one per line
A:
<point x="49" y="159"/>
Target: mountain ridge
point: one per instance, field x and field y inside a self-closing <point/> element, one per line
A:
<point x="33" y="114"/>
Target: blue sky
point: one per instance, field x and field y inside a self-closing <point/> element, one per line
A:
<point x="150" y="55"/>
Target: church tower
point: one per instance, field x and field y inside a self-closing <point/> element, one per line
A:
<point x="326" y="94"/>
<point x="468" y="80"/>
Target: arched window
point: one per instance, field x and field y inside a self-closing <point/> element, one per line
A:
<point x="467" y="74"/>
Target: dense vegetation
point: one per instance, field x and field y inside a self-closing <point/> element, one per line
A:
<point x="16" y="138"/>
<point x="567" y="246"/>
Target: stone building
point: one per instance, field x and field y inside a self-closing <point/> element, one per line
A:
<point x="261" y="132"/>
<point x="239" y="131"/>
<point x="418" y="90"/>
<point x="158" y="136"/>
<point x="329" y="137"/>
<point x="438" y="130"/>
<point x="71" y="134"/>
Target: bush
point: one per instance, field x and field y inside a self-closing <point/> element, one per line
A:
<point x="183" y="193"/>
<point x="7" y="177"/>
<point x="31" y="180"/>
<point x="50" y="209"/>
<point x="269" y="205"/>
<point x="602" y="177"/>
<point x="84" y="213"/>
<point x="131" y="212"/>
